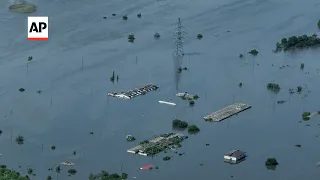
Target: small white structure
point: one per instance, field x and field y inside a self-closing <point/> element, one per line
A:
<point x="234" y="155"/>
<point x="169" y="103"/>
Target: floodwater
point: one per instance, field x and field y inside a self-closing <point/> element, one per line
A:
<point x="73" y="101"/>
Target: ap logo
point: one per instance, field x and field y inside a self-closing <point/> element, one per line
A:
<point x="38" y="28"/>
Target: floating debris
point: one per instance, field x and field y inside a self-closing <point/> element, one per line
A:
<point x="156" y="35"/>
<point x="149" y="166"/>
<point x="158" y="144"/>
<point x="281" y="102"/>
<point x="142" y="90"/>
<point x="169" y="103"/>
<point x="67" y="163"/>
<point x="187" y="96"/>
<point x="227" y="112"/>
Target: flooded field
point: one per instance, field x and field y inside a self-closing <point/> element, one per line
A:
<point x="73" y="101"/>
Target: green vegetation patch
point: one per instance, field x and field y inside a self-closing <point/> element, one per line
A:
<point x="7" y="174"/>
<point x="297" y="42"/>
<point x="104" y="175"/>
<point x="271" y="162"/>
<point x="273" y="87"/>
<point x="254" y="52"/>
<point x="163" y="143"/>
<point x="193" y="129"/>
<point x="306" y="116"/>
<point x="179" y="124"/>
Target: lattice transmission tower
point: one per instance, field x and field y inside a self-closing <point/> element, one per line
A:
<point x="179" y="37"/>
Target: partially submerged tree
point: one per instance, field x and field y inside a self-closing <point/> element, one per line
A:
<point x="104" y="175"/>
<point x="21" y="89"/>
<point x="156" y="35"/>
<point x="299" y="89"/>
<point x="297" y="42"/>
<point x="166" y="158"/>
<point x="254" y="52"/>
<point x="112" y="77"/>
<point x="179" y="124"/>
<point x="125" y="17"/>
<point x="72" y="171"/>
<point x="130" y="138"/>
<point x="306" y="116"/>
<point x="20" y="140"/>
<point x="318" y="24"/>
<point x="273" y="87"/>
<point x="302" y="66"/>
<point x="271" y="162"/>
<point x="241" y="56"/>
<point x="131" y="38"/>
<point x="139" y="15"/>
<point x="195" y="97"/>
<point x="199" y="36"/>
<point x="193" y="129"/>
<point x="30" y="171"/>
<point x="7" y="174"/>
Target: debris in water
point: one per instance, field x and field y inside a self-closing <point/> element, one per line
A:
<point x="169" y="103"/>
<point x="149" y="166"/>
<point x="67" y="163"/>
<point x="134" y="92"/>
<point x="281" y="102"/>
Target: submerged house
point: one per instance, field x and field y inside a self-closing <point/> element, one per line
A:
<point x="234" y="156"/>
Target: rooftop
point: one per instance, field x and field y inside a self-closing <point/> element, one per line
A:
<point x="235" y="153"/>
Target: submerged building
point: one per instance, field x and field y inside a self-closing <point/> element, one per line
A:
<point x="142" y="90"/>
<point x="234" y="156"/>
<point x="158" y="144"/>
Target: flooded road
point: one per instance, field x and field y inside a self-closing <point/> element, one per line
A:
<point x="73" y="101"/>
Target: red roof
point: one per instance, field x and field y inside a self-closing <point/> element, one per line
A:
<point x="146" y="167"/>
